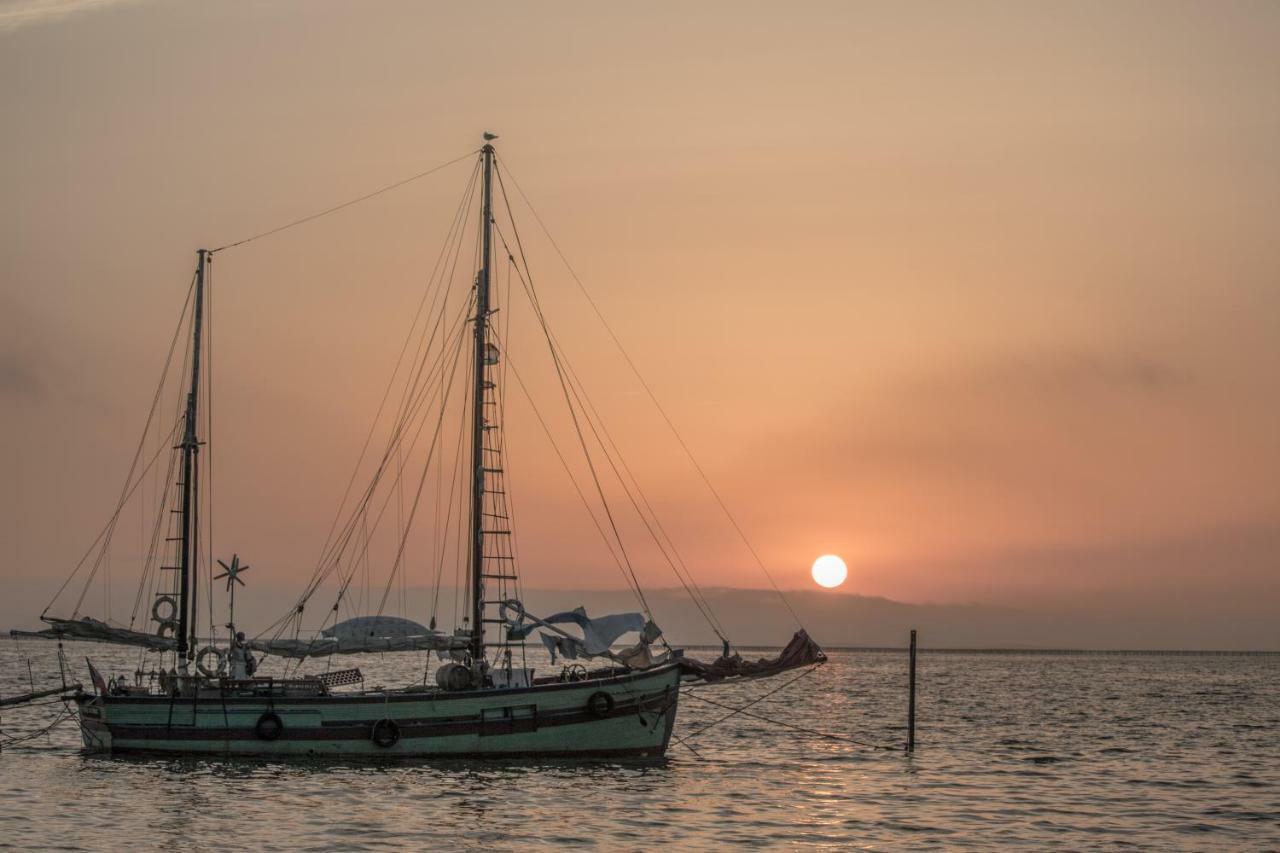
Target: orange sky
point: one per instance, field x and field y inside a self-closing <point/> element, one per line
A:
<point x="983" y="297"/>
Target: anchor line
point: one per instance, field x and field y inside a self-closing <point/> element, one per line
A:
<point x="802" y="729"/>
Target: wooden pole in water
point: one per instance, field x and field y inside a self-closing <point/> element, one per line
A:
<point x="911" y="697"/>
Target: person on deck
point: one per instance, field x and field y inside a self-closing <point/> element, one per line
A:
<point x="242" y="662"/>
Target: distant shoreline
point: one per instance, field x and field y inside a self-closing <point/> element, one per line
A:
<point x="942" y="651"/>
<point x="1018" y="651"/>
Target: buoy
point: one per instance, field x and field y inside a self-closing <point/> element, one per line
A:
<point x="171" y="607"/>
<point x="220" y="661"/>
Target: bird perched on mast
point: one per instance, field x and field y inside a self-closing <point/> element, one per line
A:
<point x="489" y="137"/>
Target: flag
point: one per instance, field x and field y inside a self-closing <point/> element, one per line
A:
<point x="98" y="684"/>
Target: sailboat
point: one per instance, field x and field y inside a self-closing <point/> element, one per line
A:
<point x="204" y="695"/>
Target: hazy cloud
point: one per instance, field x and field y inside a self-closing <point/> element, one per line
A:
<point x="17" y="379"/>
<point x="21" y="13"/>
<point x="1066" y="373"/>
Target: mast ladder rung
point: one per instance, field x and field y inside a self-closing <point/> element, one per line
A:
<point x="497" y="532"/>
<point x="500" y="578"/>
<point x="495" y="515"/>
<point x="171" y="568"/>
<point x="498" y="557"/>
<point x="491" y="470"/>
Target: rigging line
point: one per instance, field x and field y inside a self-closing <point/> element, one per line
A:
<point x="590" y="411"/>
<point x="757" y="700"/>
<point x="345" y="204"/>
<point x="461" y="551"/>
<point x="411" y="396"/>
<point x="453" y="246"/>
<point x="413" y="510"/>
<point x="348" y="529"/>
<point x="652" y="397"/>
<point x="208" y="436"/>
<point x="785" y="724"/>
<point x="515" y="371"/>
<point x="145" y="471"/>
<point x="165" y="480"/>
<point x="338" y="546"/>
<point x="161" y="495"/>
<point x="448" y="518"/>
<point x="557" y="354"/>
<point x="588" y="408"/>
<point x="542" y="321"/>
<point x="155" y="401"/>
<point x="148" y="564"/>
<point x="417" y="404"/>
<point x="509" y="504"/>
<point x="467" y="195"/>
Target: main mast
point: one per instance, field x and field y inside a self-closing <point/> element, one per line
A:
<point x="190" y="448"/>
<point x="478" y="424"/>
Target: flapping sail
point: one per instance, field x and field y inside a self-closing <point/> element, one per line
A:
<point x="801" y="651"/>
<point x="598" y="635"/>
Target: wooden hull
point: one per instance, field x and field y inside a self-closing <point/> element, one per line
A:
<point x="635" y="718"/>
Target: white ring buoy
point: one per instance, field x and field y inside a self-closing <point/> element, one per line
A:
<point x="172" y="613"/>
<point x="167" y="630"/>
<point x="220" y="658"/>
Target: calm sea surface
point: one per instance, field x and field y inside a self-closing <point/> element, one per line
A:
<point x="1025" y="751"/>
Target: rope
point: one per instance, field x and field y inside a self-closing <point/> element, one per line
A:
<point x="758" y="699"/>
<point x="783" y="723"/>
<point x="345" y="204"/>
<point x="129" y="484"/>
<point x="411" y="400"/>
<point x="652" y="397"/>
<point x="532" y="293"/>
<point x="593" y="418"/>
<point x="8" y="740"/>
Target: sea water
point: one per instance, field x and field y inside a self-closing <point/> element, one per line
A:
<point x="1023" y="751"/>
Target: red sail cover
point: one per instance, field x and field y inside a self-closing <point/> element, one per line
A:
<point x="801" y="651"/>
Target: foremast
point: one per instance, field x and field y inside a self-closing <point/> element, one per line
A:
<point x="478" y="420"/>
<point x="190" y="472"/>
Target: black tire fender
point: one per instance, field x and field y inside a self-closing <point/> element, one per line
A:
<point x="385" y="733"/>
<point x="600" y="704"/>
<point x="269" y="726"/>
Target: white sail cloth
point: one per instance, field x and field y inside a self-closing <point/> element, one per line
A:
<point x="598" y="636"/>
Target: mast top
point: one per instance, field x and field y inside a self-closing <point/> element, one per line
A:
<point x="489" y="137"/>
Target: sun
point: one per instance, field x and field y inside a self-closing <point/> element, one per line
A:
<point x="829" y="571"/>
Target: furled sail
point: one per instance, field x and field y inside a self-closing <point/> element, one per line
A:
<point x="801" y="651"/>
<point x="364" y="634"/>
<point x="87" y="628"/>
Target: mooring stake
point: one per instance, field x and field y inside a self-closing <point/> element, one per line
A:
<point x="911" y="697"/>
